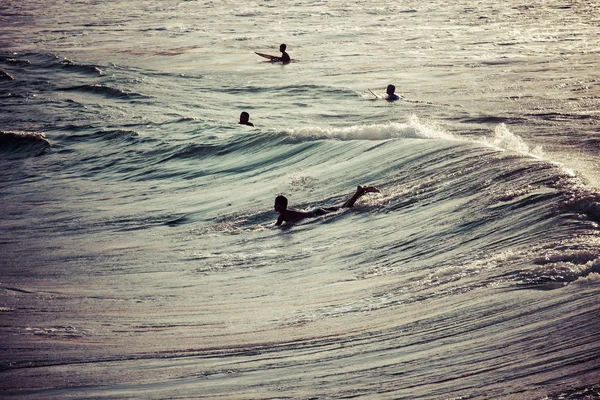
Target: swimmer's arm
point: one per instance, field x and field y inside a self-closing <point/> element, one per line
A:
<point x="279" y="221"/>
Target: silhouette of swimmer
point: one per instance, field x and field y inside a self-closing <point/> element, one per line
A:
<point x="291" y="215"/>
<point x="285" y="57"/>
<point x="245" y="119"/>
<point x="390" y="92"/>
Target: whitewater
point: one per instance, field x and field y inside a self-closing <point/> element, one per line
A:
<point x="139" y="256"/>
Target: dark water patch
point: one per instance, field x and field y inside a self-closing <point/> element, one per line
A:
<point x="117" y="134"/>
<point x="22" y="144"/>
<point x="145" y="222"/>
<point x="124" y="135"/>
<point x="553" y="116"/>
<point x="489" y="119"/>
<point x="583" y="202"/>
<point x="192" y="151"/>
<point x="506" y="61"/>
<point x="591" y="392"/>
<point x="12" y="95"/>
<point x="291" y="90"/>
<point x="590" y="144"/>
<point x="14" y="289"/>
<point x="69" y="128"/>
<point x="106" y="91"/>
<point x="508" y="43"/>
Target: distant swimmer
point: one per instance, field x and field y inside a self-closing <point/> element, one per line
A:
<point x="391" y="96"/>
<point x="291" y="215"/>
<point x="285" y="57"/>
<point x="245" y="119"/>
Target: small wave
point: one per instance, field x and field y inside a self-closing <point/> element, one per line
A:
<point x="392" y="130"/>
<point x="561" y="267"/>
<point x="23" y="144"/>
<point x="592" y="278"/>
<point x="5" y="76"/>
<point x="104" y="91"/>
<point x="578" y="257"/>
<point x="192" y="151"/>
<point x="583" y="201"/>
<point x="68" y="331"/>
<point x="117" y="134"/>
<point x="14" y="61"/>
<point x="83" y="68"/>
<point x="563" y="116"/>
<point x="123" y="135"/>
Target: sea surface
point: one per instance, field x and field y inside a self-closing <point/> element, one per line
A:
<point x="138" y="253"/>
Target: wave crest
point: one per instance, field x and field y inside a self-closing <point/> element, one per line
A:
<point x="414" y="128"/>
<point x="506" y="140"/>
<point x="23" y="144"/>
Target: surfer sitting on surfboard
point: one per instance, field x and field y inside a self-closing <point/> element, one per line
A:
<point x="285" y="57"/>
<point x="292" y="215"/>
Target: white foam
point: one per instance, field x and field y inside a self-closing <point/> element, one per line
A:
<point x="577" y="257"/>
<point x="448" y="272"/>
<point x="504" y="139"/>
<point x="391" y="130"/>
<point x="592" y="278"/>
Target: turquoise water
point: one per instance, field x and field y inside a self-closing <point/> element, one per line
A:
<point x="139" y="256"/>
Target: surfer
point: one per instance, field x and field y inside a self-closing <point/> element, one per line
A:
<point x="292" y="215"/>
<point x="245" y="119"/>
<point x="285" y="57"/>
<point x="391" y="96"/>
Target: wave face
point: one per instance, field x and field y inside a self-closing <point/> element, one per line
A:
<point x="139" y="253"/>
<point x="23" y="144"/>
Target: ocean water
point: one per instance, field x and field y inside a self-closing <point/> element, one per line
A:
<point x="138" y="253"/>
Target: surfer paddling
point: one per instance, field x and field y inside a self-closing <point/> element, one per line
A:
<point x="245" y="119"/>
<point x="291" y="215"/>
<point x="390" y="91"/>
<point x="391" y="95"/>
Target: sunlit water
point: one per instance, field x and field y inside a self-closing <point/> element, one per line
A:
<point x="139" y="256"/>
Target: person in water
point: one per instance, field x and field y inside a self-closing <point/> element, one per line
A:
<point x="391" y="96"/>
<point x="285" y="57"/>
<point x="245" y="119"/>
<point x="291" y="215"/>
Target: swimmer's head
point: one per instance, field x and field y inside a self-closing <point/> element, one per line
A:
<point x="281" y="203"/>
<point x="390" y="89"/>
<point x="282" y="47"/>
<point x="244" y="117"/>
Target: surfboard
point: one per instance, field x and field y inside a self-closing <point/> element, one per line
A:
<point x="269" y="57"/>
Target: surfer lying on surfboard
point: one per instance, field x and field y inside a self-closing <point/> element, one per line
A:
<point x="292" y="215"/>
<point x="285" y="57"/>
